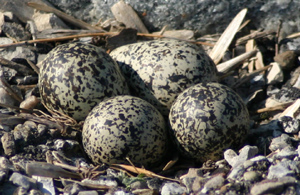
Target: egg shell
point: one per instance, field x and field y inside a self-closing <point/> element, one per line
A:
<point x="159" y="70"/>
<point x="125" y="126"/>
<point x="208" y="118"/>
<point x="74" y="77"/>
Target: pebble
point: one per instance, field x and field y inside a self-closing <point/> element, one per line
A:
<point x="172" y="189"/>
<point x="246" y="153"/>
<point x="8" y="144"/>
<point x="281" y="169"/>
<point x="214" y="183"/>
<point x="289" y="124"/>
<point x="251" y="176"/>
<point x="21" y="180"/>
<point x="273" y="186"/>
<point x="280" y="142"/>
<point x="102" y="180"/>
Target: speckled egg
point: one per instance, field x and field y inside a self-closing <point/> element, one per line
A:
<point x="74" y="77"/>
<point x="158" y="71"/>
<point x="125" y="126"/>
<point x="208" y="118"/>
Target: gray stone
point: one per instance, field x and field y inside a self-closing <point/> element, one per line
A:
<point x="236" y="173"/>
<point x="282" y="169"/>
<point x="102" y="180"/>
<point x="8" y="144"/>
<point x="280" y="142"/>
<point x="172" y="189"/>
<point x="251" y="176"/>
<point x="246" y="153"/>
<point x="73" y="189"/>
<point x="138" y="185"/>
<point x="88" y="192"/>
<point x="42" y="129"/>
<point x="289" y="124"/>
<point x="118" y="191"/>
<point x="206" y="17"/>
<point x="45" y="21"/>
<point x="6" y="98"/>
<point x="287" y="152"/>
<point x="154" y="183"/>
<point x="272" y="186"/>
<point x="214" y="183"/>
<point x="18" y="53"/>
<point x="259" y="158"/>
<point x="248" y="163"/>
<point x="20" y="180"/>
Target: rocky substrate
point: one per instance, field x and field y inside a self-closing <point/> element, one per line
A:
<point x="42" y="153"/>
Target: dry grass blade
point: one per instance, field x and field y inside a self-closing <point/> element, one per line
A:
<point x="230" y="64"/>
<point x="254" y="35"/>
<point x="64" y="38"/>
<point x="226" y="38"/>
<point x="274" y="108"/>
<point x="125" y="14"/>
<point x="64" y="16"/>
<point x="294" y="35"/>
<point x="88" y="185"/>
<point x="142" y="171"/>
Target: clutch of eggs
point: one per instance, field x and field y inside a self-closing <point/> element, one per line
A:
<point x="74" y="77"/>
<point x="125" y="126"/>
<point x="208" y="118"/>
<point x="159" y="70"/>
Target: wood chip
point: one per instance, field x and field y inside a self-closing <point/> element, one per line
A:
<point x="49" y="170"/>
<point x="226" y="38"/>
<point x="178" y="34"/>
<point x="230" y="64"/>
<point x="292" y="110"/>
<point x="125" y="14"/>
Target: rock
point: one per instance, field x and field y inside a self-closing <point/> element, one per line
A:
<point x="48" y="21"/>
<point x="22" y="181"/>
<point x="118" y="191"/>
<point x="172" y="189"/>
<point x="246" y="153"/>
<point x="289" y="124"/>
<point x="88" y="192"/>
<point x="214" y="183"/>
<point x="282" y="169"/>
<point x="280" y="142"/>
<point x="266" y="14"/>
<point x="138" y="185"/>
<point x="73" y="189"/>
<point x="102" y="180"/>
<point x="18" y="53"/>
<point x="237" y="172"/>
<point x="288" y="152"/>
<point x="15" y="31"/>
<point x="251" y="176"/>
<point x="8" y="144"/>
<point x="45" y="184"/>
<point x="273" y="186"/>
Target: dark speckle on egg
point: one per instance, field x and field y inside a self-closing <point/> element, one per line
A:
<point x="74" y="77"/>
<point x="125" y="126"/>
<point x="208" y="118"/>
